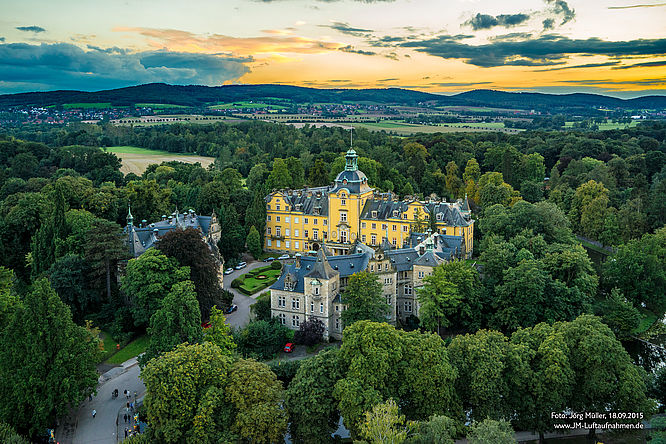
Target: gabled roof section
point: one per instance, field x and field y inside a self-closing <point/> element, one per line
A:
<point x="321" y="268"/>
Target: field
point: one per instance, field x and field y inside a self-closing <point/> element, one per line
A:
<point x="164" y="119"/>
<point x="89" y="106"/>
<point x="403" y="129"/>
<point x="608" y="125"/>
<point x="136" y="160"/>
<point x="245" y="105"/>
<point x="158" y="105"/>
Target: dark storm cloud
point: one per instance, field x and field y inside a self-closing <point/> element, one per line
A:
<point x="643" y="65"/>
<point x="484" y="21"/>
<point x="344" y="28"/>
<point x="32" y="28"/>
<point x="350" y="48"/>
<point x="112" y="50"/>
<point x="66" y="66"/>
<point x="546" y="50"/>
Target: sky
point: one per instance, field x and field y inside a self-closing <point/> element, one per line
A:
<point x="613" y="47"/>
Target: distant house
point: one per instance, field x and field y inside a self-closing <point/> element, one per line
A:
<point x="141" y="238"/>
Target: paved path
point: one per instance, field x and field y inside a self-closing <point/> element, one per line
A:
<point x="83" y="428"/>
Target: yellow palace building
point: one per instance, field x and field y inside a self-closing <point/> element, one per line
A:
<point x="349" y="211"/>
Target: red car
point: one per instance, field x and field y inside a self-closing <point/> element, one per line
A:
<point x="289" y="347"/>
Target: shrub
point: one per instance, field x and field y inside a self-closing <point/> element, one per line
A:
<point x="310" y="332"/>
<point x="262" y="339"/>
<point x="236" y="283"/>
<point x="276" y="265"/>
<point x="262" y="309"/>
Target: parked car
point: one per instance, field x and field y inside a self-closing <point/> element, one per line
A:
<point x="232" y="308"/>
<point x="228" y="271"/>
<point x="284" y="256"/>
<point x="269" y="259"/>
<point x="241" y="265"/>
<point x="289" y="347"/>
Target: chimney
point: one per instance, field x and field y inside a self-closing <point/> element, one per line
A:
<point x="298" y="260"/>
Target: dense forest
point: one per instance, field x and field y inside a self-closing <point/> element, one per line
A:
<point x="535" y="195"/>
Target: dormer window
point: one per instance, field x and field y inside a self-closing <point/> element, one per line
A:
<point x="277" y="207"/>
<point x="439" y="216"/>
<point x="395" y="213"/>
<point x="374" y="214"/>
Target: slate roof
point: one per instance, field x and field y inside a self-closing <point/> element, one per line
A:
<point x="449" y="213"/>
<point x="309" y="199"/>
<point x="402" y="259"/>
<point x="321" y="268"/>
<point x="356" y="182"/>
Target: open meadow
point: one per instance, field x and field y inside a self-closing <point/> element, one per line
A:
<point x="136" y="160"/>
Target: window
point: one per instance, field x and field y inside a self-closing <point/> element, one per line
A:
<point x="305" y="233"/>
<point x="321" y="307"/>
<point x="295" y="321"/>
<point x="404" y="228"/>
<point x="343" y="236"/>
<point x="268" y="231"/>
<point x="325" y="222"/>
<point x="394" y="242"/>
<point x="404" y="215"/>
<point x="314" y="221"/>
<point x="311" y="307"/>
<point x="305" y="220"/>
<point x="277" y="218"/>
<point x="296" y="245"/>
<point x="372" y="268"/>
<point x="373" y="226"/>
<point x="426" y="217"/>
<point x="362" y="224"/>
<point x="343" y="202"/>
<point x="408" y="290"/>
<point x="277" y="207"/>
<point x="316" y="289"/>
<point x="337" y="308"/>
<point x="439" y="216"/>
<point x="278" y="244"/>
<point x="374" y="214"/>
<point x="337" y="323"/>
<point x="295" y="220"/>
<point x="373" y="239"/>
<point x="268" y="242"/>
<point x="287" y="219"/>
<point x="343" y="216"/>
<point x="268" y="206"/>
<point x="287" y="244"/>
<point x="408" y="306"/>
<point x="395" y="227"/>
<point x="286" y="232"/>
<point x="295" y="233"/>
<point x="295" y="303"/>
<point x="282" y="301"/>
<point x="388" y="299"/>
<point x="278" y="231"/>
<point x="268" y="218"/>
<point x="388" y="280"/>
<point x="283" y="318"/>
<point x="420" y="275"/>
<point x="384" y="226"/>
<point x="315" y="234"/>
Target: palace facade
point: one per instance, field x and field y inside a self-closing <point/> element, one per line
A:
<point x="346" y="228"/>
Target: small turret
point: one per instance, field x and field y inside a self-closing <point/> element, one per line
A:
<point x="130" y="218"/>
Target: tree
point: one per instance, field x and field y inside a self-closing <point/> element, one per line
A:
<point x="52" y="231"/>
<point x="255" y="216"/>
<point x="104" y="249"/>
<point x="254" y="242"/>
<point x="453" y="183"/>
<point x="619" y="314"/>
<point x="420" y="225"/>
<point x="256" y="394"/>
<point x="318" y="176"/>
<point x="438" y="299"/>
<point x="313" y="410"/>
<point x="297" y="172"/>
<point x="439" y="429"/>
<point x="385" y="425"/>
<point x="148" y="279"/>
<point x="589" y="208"/>
<point x="47" y="361"/>
<point x="262" y="339"/>
<point x="185" y="394"/>
<point x="233" y="236"/>
<point x="149" y="200"/>
<point x="488" y="430"/>
<point x="364" y="299"/>
<point x="69" y="278"/>
<point x="522" y="298"/>
<point x="187" y="247"/>
<point x="219" y="332"/>
<point x="279" y="178"/>
<point x="493" y="190"/>
<point x="9" y="436"/>
<point x="212" y="196"/>
<point x="310" y="332"/>
<point x="415" y="154"/>
<point x="178" y="320"/>
<point x="471" y="178"/>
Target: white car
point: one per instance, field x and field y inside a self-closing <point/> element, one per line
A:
<point x="284" y="256"/>
<point x="241" y="265"/>
<point x="228" y="271"/>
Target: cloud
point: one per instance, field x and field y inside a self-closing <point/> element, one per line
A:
<point x="32" y="28"/>
<point x="587" y="65"/>
<point x="112" y="50"/>
<point x="644" y="65"/>
<point x="344" y="28"/>
<point x="350" y="48"/>
<point x="484" y="21"/>
<point x="458" y="83"/>
<point x="616" y="82"/>
<point x="66" y="66"/>
<point x="176" y="40"/>
<point x="637" y="6"/>
<point x="2" y="39"/>
<point x="546" y="50"/>
<point x="548" y="23"/>
<point x="561" y="9"/>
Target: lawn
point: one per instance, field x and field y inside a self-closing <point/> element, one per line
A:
<point x="89" y="105"/>
<point x="249" y="283"/>
<point x="109" y="345"/>
<point x="134" y="348"/>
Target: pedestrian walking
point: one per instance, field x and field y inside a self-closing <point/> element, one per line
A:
<point x="126" y="432"/>
<point x="90" y="397"/>
<point x="128" y="406"/>
<point x="94" y="412"/>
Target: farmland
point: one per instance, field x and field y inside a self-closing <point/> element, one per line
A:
<point x="136" y="160"/>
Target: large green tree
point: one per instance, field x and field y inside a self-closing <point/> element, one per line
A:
<point x="384" y="424"/>
<point x="438" y="300"/>
<point x="491" y="431"/>
<point x="219" y="332"/>
<point x="253" y="242"/>
<point x="104" y="249"/>
<point x="148" y="279"/>
<point x="47" y="362"/>
<point x="178" y="320"/>
<point x="364" y="299"/>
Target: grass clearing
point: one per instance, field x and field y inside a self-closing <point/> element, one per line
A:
<point x="160" y="105"/>
<point x="250" y="283"/>
<point x="402" y="128"/>
<point x="109" y="345"/>
<point x="103" y="105"/>
<point x="134" y="348"/>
